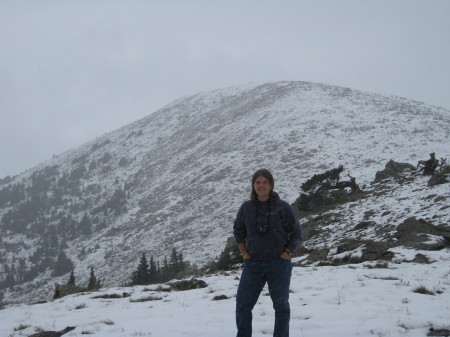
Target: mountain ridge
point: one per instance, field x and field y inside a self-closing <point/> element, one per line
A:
<point x="185" y="169"/>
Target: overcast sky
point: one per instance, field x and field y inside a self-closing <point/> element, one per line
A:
<point x="71" y="70"/>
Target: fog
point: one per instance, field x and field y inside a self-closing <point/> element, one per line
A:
<point x="73" y="70"/>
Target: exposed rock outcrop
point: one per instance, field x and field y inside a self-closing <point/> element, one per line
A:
<point x="53" y="333"/>
<point x="394" y="170"/>
<point x="420" y="234"/>
<point x="188" y="285"/>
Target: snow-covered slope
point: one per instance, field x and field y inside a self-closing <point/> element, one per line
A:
<point x="344" y="301"/>
<point x="186" y="168"/>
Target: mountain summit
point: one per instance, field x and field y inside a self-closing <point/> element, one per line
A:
<point x="176" y="178"/>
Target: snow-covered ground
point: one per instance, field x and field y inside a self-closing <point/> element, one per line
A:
<point x="341" y="301"/>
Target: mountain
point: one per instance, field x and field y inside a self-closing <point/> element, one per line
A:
<point x="176" y="178"/>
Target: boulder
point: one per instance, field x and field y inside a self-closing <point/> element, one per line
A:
<point x="420" y="258"/>
<point x="188" y="285"/>
<point x="355" y="251"/>
<point x="439" y="332"/>
<point x="364" y="225"/>
<point x="394" y="170"/>
<point x="220" y="297"/>
<point x="318" y="255"/>
<point x="373" y="250"/>
<point x="420" y="234"/>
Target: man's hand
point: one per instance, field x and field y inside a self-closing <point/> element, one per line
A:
<point x="285" y="255"/>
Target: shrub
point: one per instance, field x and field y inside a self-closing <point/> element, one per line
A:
<point x="423" y="290"/>
<point x="22" y="327"/>
<point x="108" y="322"/>
<point x="442" y="175"/>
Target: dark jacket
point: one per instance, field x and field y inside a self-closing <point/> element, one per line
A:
<point x="277" y="217"/>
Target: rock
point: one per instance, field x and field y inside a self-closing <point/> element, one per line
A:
<point x="364" y="224"/>
<point x="318" y="255"/>
<point x="439" y="332"/>
<point x="414" y="233"/>
<point x="220" y="297"/>
<point x="188" y="285"/>
<point x="436" y="179"/>
<point x="231" y="242"/>
<point x="413" y="225"/>
<point x="374" y="250"/>
<point x="66" y="289"/>
<point x="348" y="245"/>
<point x="420" y="258"/>
<point x="108" y="296"/>
<point x="440" y="198"/>
<point x="52" y="333"/>
<point x="355" y="251"/>
<point x="394" y="170"/>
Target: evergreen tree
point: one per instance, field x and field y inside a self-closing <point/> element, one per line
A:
<point x="21" y="270"/>
<point x="152" y="272"/>
<point x="158" y="271"/>
<point x="92" y="283"/>
<point x="50" y="241"/>
<point x="71" y="280"/>
<point x="153" y="275"/>
<point x="62" y="265"/>
<point x="118" y="201"/>
<point x="174" y="267"/>
<point x="141" y="275"/>
<point x="9" y="281"/>
<point x="165" y="270"/>
<point x="181" y="264"/>
<point x="92" y="165"/>
<point x="316" y="189"/>
<point x="323" y="180"/>
<point x="85" y="226"/>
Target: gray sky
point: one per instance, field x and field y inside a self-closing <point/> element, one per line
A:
<point x="71" y="70"/>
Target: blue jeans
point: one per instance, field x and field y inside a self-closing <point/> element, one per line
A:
<point x="277" y="274"/>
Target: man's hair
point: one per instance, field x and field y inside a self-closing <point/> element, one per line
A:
<point x="266" y="174"/>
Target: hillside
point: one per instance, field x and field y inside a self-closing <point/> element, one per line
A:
<point x="343" y="301"/>
<point x="177" y="177"/>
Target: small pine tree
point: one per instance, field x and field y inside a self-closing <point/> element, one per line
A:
<point x="313" y="187"/>
<point x="165" y="270"/>
<point x="71" y="280"/>
<point x="141" y="275"/>
<point x="62" y="264"/>
<point x="158" y="271"/>
<point x="92" y="283"/>
<point x="182" y="264"/>
<point x="118" y="201"/>
<point x="319" y="181"/>
<point x="85" y="226"/>
<point x="173" y="264"/>
<point x="153" y="276"/>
